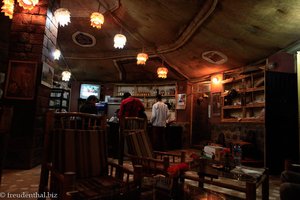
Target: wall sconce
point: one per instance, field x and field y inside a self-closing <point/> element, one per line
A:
<point x="216" y="80"/>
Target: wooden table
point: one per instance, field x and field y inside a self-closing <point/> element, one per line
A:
<point x="249" y="186"/>
<point x="196" y="193"/>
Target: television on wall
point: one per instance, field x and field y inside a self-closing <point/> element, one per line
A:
<point x="87" y="89"/>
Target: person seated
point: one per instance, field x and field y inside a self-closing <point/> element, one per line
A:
<point x="89" y="105"/>
<point x="290" y="186"/>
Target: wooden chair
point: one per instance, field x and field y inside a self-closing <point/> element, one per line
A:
<point x="154" y="163"/>
<point x="76" y="160"/>
<point x="127" y="124"/>
<point x="134" y="132"/>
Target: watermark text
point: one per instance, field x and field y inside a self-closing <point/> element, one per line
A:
<point x="27" y="195"/>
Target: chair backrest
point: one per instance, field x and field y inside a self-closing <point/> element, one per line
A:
<point x="81" y="151"/>
<point x="75" y="120"/>
<point x="128" y="124"/>
<point x="138" y="143"/>
<point x="76" y="142"/>
<point x="133" y="123"/>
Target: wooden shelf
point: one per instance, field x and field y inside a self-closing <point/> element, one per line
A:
<point x="255" y="105"/>
<point x="59" y="99"/>
<point x="231" y="120"/>
<point x="163" y="96"/>
<point x="232" y="107"/>
<point x="247" y="92"/>
<point x="255" y="89"/>
<point x="256" y="120"/>
<point x="147" y="92"/>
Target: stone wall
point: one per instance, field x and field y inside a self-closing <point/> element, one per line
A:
<point x="253" y="133"/>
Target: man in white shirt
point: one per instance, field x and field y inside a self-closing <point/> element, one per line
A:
<point x="159" y="117"/>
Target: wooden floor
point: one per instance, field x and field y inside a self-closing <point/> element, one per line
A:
<point x="18" y="182"/>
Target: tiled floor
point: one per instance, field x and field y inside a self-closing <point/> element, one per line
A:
<point x="20" y="184"/>
<point x="25" y="182"/>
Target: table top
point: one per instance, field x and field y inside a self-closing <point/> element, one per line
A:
<point x="213" y="169"/>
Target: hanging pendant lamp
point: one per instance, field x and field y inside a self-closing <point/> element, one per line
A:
<point x="66" y="75"/>
<point x="28" y="4"/>
<point x="119" y="41"/>
<point x="56" y="54"/>
<point x="8" y="8"/>
<point x="141" y="58"/>
<point x="97" y="19"/>
<point x="162" y="72"/>
<point x="62" y="16"/>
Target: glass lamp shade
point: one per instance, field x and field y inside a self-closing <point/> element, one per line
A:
<point x="28" y="4"/>
<point x="97" y="19"/>
<point x="8" y="8"/>
<point x="119" y="41"/>
<point x="162" y="72"/>
<point x="142" y="58"/>
<point x="56" y="54"/>
<point x="62" y="16"/>
<point x="66" y="75"/>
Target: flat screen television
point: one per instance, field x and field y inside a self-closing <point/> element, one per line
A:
<point x="87" y="89"/>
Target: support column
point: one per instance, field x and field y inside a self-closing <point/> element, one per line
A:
<point x="32" y="38"/>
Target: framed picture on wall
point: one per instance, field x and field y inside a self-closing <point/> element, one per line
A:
<point x="216" y="104"/>
<point x="21" y="80"/>
<point x="47" y="75"/>
<point x="181" y="101"/>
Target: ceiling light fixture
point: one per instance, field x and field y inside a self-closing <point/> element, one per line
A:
<point x="56" y="54"/>
<point x="97" y="19"/>
<point x="66" y="75"/>
<point x="62" y="16"/>
<point x="119" y="41"/>
<point x="162" y="71"/>
<point x="142" y="58"/>
<point x="8" y="8"/>
<point x="28" y="4"/>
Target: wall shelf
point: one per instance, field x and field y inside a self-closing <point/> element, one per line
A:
<point x="59" y="99"/>
<point x="243" y="98"/>
<point x="147" y="92"/>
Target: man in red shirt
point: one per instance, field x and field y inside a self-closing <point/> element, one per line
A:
<point x="130" y="107"/>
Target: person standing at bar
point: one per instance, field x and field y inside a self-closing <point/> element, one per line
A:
<point x="131" y="107"/>
<point x="159" y="117"/>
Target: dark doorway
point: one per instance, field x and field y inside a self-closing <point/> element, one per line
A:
<point x="201" y="126"/>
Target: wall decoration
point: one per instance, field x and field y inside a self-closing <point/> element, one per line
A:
<point x="181" y="101"/>
<point x="21" y="78"/>
<point x="216" y="104"/>
<point x="47" y="75"/>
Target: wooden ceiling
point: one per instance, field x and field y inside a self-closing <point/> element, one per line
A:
<point x="192" y="38"/>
